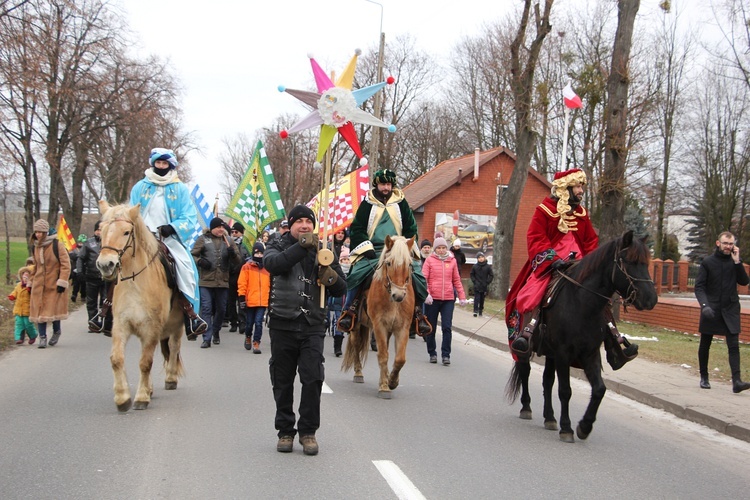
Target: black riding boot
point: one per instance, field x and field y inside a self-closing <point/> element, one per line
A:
<point x="194" y="324"/>
<point x="348" y="317"/>
<point x="420" y="326"/>
<point x="616" y="355"/>
<point x="521" y="345"/>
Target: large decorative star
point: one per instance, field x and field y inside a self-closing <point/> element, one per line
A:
<point x="336" y="108"/>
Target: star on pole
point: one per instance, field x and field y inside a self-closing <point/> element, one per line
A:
<point x="335" y="107"/>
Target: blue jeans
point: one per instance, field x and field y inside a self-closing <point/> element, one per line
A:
<point x="213" y="307"/>
<point x="43" y="328"/>
<point x="254" y="317"/>
<point x="445" y="309"/>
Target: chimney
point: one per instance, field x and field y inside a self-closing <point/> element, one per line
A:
<point x="460" y="171"/>
<point x="476" y="165"/>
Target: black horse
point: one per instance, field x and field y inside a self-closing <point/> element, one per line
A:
<point x="576" y="327"/>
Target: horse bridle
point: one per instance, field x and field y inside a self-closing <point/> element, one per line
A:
<point x="632" y="291"/>
<point x="389" y="284"/>
<point x="121" y="251"/>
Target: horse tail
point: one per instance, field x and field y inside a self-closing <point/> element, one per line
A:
<point x="514" y="384"/>
<point x="356" y="348"/>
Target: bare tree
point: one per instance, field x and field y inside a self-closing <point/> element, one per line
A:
<point x="523" y="66"/>
<point x="673" y="52"/>
<point x="611" y="189"/>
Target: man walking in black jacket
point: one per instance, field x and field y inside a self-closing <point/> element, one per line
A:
<point x="716" y="291"/>
<point x="296" y="323"/>
<point x="96" y="288"/>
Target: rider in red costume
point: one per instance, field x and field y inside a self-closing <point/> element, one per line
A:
<point x="560" y="231"/>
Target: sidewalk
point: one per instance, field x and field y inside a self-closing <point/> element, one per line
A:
<point x="669" y="388"/>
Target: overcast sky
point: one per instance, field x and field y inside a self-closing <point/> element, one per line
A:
<point x="231" y="55"/>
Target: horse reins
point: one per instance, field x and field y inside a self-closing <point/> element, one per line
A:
<point x="632" y="291"/>
<point x="129" y="244"/>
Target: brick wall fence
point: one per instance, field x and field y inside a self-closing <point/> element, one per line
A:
<point x="677" y="308"/>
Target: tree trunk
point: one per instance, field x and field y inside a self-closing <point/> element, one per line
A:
<point x="612" y="184"/>
<point x="522" y="86"/>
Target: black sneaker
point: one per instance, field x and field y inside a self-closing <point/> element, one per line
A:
<point x="206" y="344"/>
<point x="216" y="340"/>
<point x="233" y="329"/>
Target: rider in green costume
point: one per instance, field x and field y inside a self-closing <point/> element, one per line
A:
<point x="383" y="212"/>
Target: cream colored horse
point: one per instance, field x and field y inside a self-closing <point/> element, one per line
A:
<point x="143" y="304"/>
<point x="388" y="310"/>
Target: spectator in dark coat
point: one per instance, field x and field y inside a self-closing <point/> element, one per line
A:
<point x="716" y="291"/>
<point x="481" y="277"/>
<point x="96" y="288"/>
<point x="236" y="320"/>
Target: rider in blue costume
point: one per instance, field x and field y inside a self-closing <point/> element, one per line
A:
<point x="168" y="212"/>
<point x="384" y="211"/>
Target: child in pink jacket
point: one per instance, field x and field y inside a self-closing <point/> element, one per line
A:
<point x="441" y="271"/>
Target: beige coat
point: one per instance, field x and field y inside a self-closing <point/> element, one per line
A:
<point x="46" y="304"/>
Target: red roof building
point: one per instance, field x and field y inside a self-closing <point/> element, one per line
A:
<point x="459" y="197"/>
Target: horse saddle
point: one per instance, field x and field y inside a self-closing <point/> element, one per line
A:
<point x="166" y="259"/>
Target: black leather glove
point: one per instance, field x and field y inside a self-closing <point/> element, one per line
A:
<point x="60" y="289"/>
<point x="243" y="305"/>
<point x="707" y="312"/>
<point x="327" y="276"/>
<point x="166" y="230"/>
<point x="560" y="265"/>
<point x="231" y="251"/>
<point x="308" y="240"/>
<point x="204" y="264"/>
<point x="370" y="254"/>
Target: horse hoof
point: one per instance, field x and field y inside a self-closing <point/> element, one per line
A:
<point x="525" y="415"/>
<point x="567" y="437"/>
<point x="550" y="425"/>
<point x="359" y="379"/>
<point x="580" y="432"/>
<point x="384" y="394"/>
<point x="393" y="385"/>
<point x="123" y="407"/>
<point x="140" y="405"/>
<point x="170" y="386"/>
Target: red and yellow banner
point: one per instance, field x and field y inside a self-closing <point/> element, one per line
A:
<point x="64" y="234"/>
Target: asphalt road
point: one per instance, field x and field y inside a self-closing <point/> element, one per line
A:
<point x="447" y="433"/>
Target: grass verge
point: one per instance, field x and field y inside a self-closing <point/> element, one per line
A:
<point x="674" y="348"/>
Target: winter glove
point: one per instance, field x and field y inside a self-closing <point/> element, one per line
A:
<point x="166" y="230"/>
<point x="243" y="304"/>
<point x="204" y="264"/>
<point x="60" y="289"/>
<point x="462" y="302"/>
<point x="428" y="300"/>
<point x="707" y="312"/>
<point x="308" y="240"/>
<point x="370" y="254"/>
<point x="560" y="265"/>
<point x="327" y="276"/>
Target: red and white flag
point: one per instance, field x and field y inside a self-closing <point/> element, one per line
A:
<point x="570" y="98"/>
<point x="344" y="198"/>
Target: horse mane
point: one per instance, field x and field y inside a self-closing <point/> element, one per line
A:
<point x="142" y="234"/>
<point x="637" y="252"/>
<point x="399" y="254"/>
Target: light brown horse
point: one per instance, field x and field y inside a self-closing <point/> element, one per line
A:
<point x="388" y="309"/>
<point x="143" y="303"/>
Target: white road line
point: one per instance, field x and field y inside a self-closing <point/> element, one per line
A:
<point x="326" y="389"/>
<point x="397" y="480"/>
